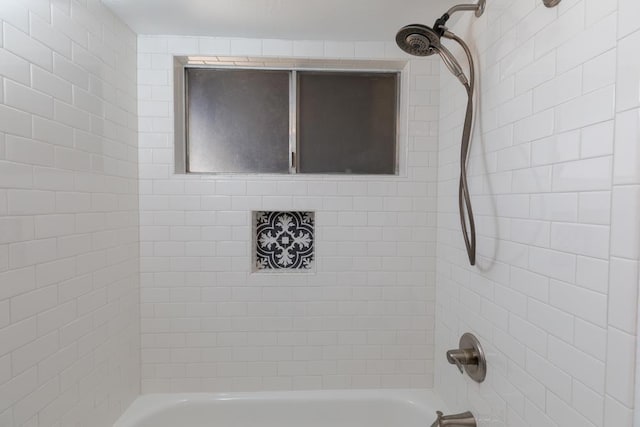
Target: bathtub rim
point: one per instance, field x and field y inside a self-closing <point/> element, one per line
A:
<point x="148" y="404"/>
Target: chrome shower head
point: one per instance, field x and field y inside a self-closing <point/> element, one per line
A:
<point x="418" y="40"/>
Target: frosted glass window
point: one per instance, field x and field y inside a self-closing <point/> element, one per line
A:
<point x="237" y="121"/>
<point x="347" y="122"/>
<point x="286" y="121"/>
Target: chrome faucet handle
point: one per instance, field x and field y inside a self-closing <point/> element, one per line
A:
<point x="469" y="358"/>
<point x="453" y="359"/>
<point x="462" y="357"/>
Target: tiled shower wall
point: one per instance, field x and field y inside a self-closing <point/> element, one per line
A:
<point x="364" y="319"/>
<point x="69" y="334"/>
<point x="554" y="177"/>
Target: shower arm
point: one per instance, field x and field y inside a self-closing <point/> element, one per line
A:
<point x="467" y="7"/>
<point x="478" y="8"/>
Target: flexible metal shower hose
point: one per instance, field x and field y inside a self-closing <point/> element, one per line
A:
<point x="464" y="200"/>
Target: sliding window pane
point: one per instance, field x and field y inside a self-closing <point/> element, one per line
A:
<point x="347" y="122"/>
<point x="237" y="121"/>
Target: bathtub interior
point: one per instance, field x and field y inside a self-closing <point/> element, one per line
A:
<point x="370" y="408"/>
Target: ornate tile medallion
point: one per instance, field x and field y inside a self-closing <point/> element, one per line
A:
<point x="284" y="240"/>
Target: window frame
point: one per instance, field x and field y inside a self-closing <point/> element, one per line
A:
<point x="293" y="66"/>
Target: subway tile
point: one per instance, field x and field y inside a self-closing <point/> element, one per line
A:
<point x="623" y="293"/>
<point x="530" y="232"/>
<point x="620" y="378"/>
<point x="535" y="416"/>
<point x="32" y="353"/>
<point x="617" y="413"/>
<point x="48" y="83"/>
<point x="597" y="140"/>
<point x="588" y="240"/>
<point x="17" y="388"/>
<point x="69" y="71"/>
<point x="29" y="49"/>
<point x="532" y="180"/>
<point x="308" y="48"/>
<point x="565" y="27"/>
<point x="16" y="15"/>
<point x="515" y="109"/>
<point x="554" y="378"/>
<point x="16" y="229"/>
<point x="17" y="281"/>
<point x="591" y="339"/>
<point x="599" y="71"/>
<point x="28" y="151"/>
<point x="14" y="67"/>
<point x="15" y="175"/>
<point x="627" y="82"/>
<point x="583" y="175"/>
<point x="583" y="303"/>
<point x="71" y="116"/>
<point x="536" y="337"/>
<point x="16" y="335"/>
<point x="564" y="88"/>
<point x="596" y="39"/>
<point x="15" y="122"/>
<point x="536" y="73"/>
<point x="273" y="47"/>
<point x="182" y="45"/>
<point x="584" y="368"/>
<point x="595" y="208"/>
<point x="29" y="202"/>
<point x="592" y="273"/>
<point x="555" y="264"/>
<point x="152" y="44"/>
<point x="42" y="31"/>
<point x="66" y="24"/>
<point x="339" y="49"/>
<point x="32" y="252"/>
<point x="206" y="45"/>
<point x="554" y="207"/>
<point x="626" y="158"/>
<point x="563" y="414"/>
<point x="595" y="11"/>
<point x="625" y="230"/>
<point x="532" y="128"/>
<point x="370" y="50"/>
<point x="627" y="10"/>
<point x="594" y="107"/>
<point x="248" y="47"/>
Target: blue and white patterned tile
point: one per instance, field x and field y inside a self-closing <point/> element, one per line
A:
<point x="284" y="240"/>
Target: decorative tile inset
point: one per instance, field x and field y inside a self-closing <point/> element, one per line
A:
<point x="284" y="240"/>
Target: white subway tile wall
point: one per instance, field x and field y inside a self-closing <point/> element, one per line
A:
<point x="556" y="190"/>
<point x="364" y="319"/>
<point x="86" y="161"/>
<point x="69" y="264"/>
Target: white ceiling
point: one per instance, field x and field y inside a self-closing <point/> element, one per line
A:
<point x="287" y="19"/>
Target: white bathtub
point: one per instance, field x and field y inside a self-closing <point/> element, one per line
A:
<point x="352" y="408"/>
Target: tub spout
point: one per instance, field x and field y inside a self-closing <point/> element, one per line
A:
<point x="464" y="419"/>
